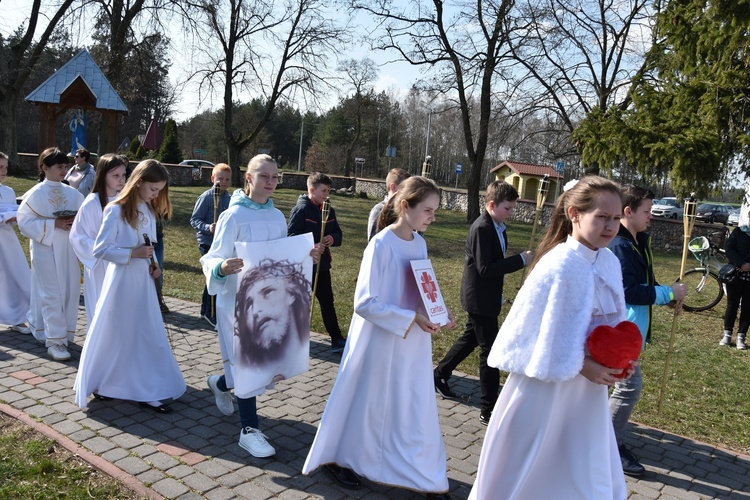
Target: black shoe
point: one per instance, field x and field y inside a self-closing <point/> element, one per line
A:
<point x="438" y="496"/>
<point x="484" y="417"/>
<point x="162" y="408"/>
<point x="99" y="397"/>
<point x="338" y="346"/>
<point x="630" y="464"/>
<point x="345" y="477"/>
<point x="442" y="387"/>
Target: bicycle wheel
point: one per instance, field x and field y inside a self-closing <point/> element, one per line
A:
<point x="704" y="290"/>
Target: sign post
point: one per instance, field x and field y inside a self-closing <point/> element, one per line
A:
<point x="560" y="169"/>
<point x="361" y="163"/>
<point x="459" y="167"/>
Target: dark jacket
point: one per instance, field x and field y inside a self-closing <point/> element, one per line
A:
<point x="306" y="217"/>
<point x="738" y="247"/>
<point x="484" y="268"/>
<point x="641" y="289"/>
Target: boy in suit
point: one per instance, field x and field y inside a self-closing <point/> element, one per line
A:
<point x="485" y="268"/>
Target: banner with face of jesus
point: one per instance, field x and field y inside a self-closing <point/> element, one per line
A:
<point x="272" y="313"/>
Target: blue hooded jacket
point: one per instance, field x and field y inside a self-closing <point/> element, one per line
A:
<point x="641" y="289"/>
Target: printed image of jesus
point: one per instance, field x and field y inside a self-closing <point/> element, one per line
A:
<point x="272" y="314"/>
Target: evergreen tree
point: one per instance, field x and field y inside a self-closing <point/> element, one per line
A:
<point x="136" y="151"/>
<point x="688" y="110"/>
<point x="170" y="146"/>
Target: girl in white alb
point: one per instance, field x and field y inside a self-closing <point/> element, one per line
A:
<point x="15" y="287"/>
<point x="127" y="354"/>
<point x="110" y="179"/>
<point x="550" y="434"/>
<point x="381" y="419"/>
<point x="45" y="217"/>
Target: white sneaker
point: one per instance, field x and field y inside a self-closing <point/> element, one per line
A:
<point x="21" y="328"/>
<point x="255" y="442"/>
<point x="58" y="352"/>
<point x="224" y="401"/>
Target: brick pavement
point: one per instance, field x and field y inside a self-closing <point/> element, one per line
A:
<point x="193" y="452"/>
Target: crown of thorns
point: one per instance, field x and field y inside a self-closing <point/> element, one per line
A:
<point x="293" y="272"/>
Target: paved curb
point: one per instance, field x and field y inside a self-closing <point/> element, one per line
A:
<point x="94" y="460"/>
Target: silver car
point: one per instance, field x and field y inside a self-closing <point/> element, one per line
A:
<point x="666" y="207"/>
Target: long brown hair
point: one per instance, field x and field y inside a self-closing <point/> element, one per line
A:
<point x="582" y="197"/>
<point x="413" y="190"/>
<point x="107" y="163"/>
<point x="145" y="171"/>
<point x="49" y="157"/>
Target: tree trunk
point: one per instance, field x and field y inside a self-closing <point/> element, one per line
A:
<point x="233" y="156"/>
<point x="472" y="207"/>
<point x="8" y="116"/>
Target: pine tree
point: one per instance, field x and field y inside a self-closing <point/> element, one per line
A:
<point x="136" y="151"/>
<point x="170" y="147"/>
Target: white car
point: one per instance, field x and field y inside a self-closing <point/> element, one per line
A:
<point x="734" y="217"/>
<point x="666" y="207"/>
<point x="197" y="163"/>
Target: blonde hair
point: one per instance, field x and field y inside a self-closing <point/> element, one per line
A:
<point x="413" y="190"/>
<point x="582" y="197"/>
<point x="145" y="171"/>
<point x="220" y="167"/>
<point x="254" y="165"/>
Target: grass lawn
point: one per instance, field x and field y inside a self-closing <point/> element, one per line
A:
<point x="706" y="395"/>
<point x="32" y="466"/>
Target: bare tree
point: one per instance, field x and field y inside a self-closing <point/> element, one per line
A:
<point x="582" y="53"/>
<point x="466" y="43"/>
<point x="361" y="75"/>
<point x="25" y="52"/>
<point x="264" y="48"/>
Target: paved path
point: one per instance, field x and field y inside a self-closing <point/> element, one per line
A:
<point x="193" y="452"/>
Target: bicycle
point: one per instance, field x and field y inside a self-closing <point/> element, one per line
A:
<point x="704" y="290"/>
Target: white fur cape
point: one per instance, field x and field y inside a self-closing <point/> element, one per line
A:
<point x="544" y="335"/>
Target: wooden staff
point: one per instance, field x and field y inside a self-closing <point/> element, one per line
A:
<point x="323" y="220"/>
<point x="541" y="197"/>
<point x="217" y="197"/>
<point x="688" y="221"/>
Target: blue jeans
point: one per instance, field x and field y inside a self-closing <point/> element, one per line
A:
<point x="622" y="401"/>
<point x="247" y="406"/>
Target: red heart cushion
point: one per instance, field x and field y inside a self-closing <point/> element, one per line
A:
<point x="615" y="347"/>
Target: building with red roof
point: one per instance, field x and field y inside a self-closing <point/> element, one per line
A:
<point x="527" y="177"/>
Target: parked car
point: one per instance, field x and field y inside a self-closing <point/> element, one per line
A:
<point x="666" y="207"/>
<point x="197" y="163"/>
<point x="712" y="212"/>
<point x="734" y="217"/>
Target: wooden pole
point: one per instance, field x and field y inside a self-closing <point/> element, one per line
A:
<point x="323" y="219"/>
<point x="541" y="196"/>
<point x="217" y="197"/>
<point x="688" y="221"/>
